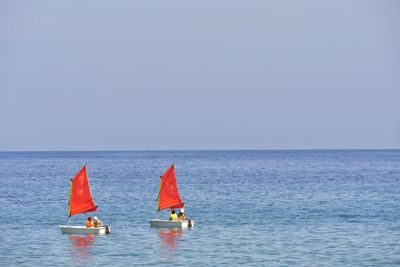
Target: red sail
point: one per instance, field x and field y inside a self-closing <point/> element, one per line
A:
<point x="168" y="198"/>
<point x="80" y="200"/>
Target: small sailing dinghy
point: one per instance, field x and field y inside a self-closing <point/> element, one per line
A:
<point x="80" y="201"/>
<point x="168" y="198"/>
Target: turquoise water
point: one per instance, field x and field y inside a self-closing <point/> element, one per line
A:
<point x="274" y="208"/>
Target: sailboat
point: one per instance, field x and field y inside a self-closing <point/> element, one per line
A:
<point x="168" y="198"/>
<point x="80" y="202"/>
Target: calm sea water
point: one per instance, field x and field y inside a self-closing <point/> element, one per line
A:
<point x="274" y="208"/>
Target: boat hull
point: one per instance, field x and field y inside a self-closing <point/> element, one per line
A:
<point x="71" y="229"/>
<point x="171" y="224"/>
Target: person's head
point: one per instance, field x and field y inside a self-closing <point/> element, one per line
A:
<point x="95" y="218"/>
<point x="182" y="210"/>
<point x="173" y="211"/>
<point x="89" y="219"/>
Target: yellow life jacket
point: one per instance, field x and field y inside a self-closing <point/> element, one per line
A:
<point x="173" y="217"/>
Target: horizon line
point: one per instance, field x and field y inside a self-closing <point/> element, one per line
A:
<point x="183" y="150"/>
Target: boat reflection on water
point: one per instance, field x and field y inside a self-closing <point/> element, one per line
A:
<point x="169" y="237"/>
<point x="81" y="245"/>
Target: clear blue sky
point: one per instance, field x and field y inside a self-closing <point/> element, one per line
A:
<point x="110" y="75"/>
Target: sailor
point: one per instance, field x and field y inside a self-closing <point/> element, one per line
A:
<point x="89" y="222"/>
<point x="172" y="216"/>
<point x="97" y="222"/>
<point x="181" y="215"/>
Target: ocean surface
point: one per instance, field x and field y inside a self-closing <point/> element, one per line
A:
<point x="256" y="208"/>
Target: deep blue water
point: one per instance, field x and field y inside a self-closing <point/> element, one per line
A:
<point x="274" y="208"/>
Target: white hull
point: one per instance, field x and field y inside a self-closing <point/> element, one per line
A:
<point x="71" y="229"/>
<point x="171" y="224"/>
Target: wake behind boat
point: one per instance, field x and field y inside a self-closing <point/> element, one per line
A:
<point x="168" y="198"/>
<point x="81" y="201"/>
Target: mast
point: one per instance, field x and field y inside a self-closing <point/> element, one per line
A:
<point x="69" y="201"/>
<point x="158" y="196"/>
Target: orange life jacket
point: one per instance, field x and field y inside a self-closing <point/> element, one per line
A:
<point x="89" y="224"/>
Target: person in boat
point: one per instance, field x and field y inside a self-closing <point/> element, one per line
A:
<point x="172" y="216"/>
<point x="96" y="222"/>
<point x="89" y="222"/>
<point x="181" y="215"/>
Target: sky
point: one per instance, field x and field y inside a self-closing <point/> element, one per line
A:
<point x="157" y="75"/>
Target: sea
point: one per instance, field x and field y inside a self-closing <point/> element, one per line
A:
<point x="252" y="208"/>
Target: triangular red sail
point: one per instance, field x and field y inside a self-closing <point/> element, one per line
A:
<point x="168" y="197"/>
<point x="80" y="200"/>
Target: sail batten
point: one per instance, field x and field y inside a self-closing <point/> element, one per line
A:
<point x="168" y="197"/>
<point x="81" y="200"/>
